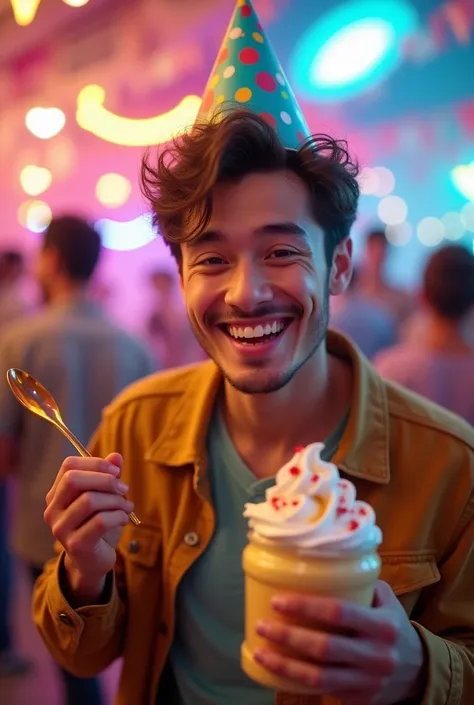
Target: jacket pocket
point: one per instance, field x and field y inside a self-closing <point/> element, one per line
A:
<point x="408" y="574"/>
<point x="141" y="545"/>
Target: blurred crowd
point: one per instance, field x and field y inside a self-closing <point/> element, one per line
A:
<point x="67" y="339"/>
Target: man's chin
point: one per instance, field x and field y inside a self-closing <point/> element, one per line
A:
<point x="259" y="381"/>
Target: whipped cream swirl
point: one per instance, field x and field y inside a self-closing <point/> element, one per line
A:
<point x="311" y="507"/>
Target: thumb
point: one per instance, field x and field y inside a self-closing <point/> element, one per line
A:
<point x="382" y="594"/>
<point x="116" y="459"/>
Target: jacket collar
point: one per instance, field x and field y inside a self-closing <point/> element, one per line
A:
<point x="364" y="448"/>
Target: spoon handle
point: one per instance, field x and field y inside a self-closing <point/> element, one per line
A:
<point x="82" y="450"/>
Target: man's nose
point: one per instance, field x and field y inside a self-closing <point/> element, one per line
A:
<point x="248" y="288"/>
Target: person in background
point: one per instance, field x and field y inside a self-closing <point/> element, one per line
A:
<point x="439" y="365"/>
<point x="12" y="306"/>
<point x="372" y="282"/>
<point x="83" y="360"/>
<point x="370" y="325"/>
<point x="168" y="330"/>
<point x="13" y="302"/>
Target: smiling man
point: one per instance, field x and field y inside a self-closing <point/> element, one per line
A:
<point x="260" y="231"/>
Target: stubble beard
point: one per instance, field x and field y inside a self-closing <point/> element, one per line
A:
<point x="267" y="383"/>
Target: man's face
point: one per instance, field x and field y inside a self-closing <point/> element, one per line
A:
<point x="256" y="283"/>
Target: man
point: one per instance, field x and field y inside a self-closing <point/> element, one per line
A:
<point x="13" y="299"/>
<point x="367" y="323"/>
<point x="169" y="334"/>
<point x="261" y="236"/>
<point x="13" y="306"/>
<point x="372" y="282"/>
<point x="439" y="365"/>
<point x="84" y="361"/>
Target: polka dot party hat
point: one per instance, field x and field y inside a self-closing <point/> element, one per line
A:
<point x="248" y="75"/>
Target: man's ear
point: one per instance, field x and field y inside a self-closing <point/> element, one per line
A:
<point x="341" y="270"/>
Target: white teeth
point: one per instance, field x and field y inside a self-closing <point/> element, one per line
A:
<point x="257" y="332"/>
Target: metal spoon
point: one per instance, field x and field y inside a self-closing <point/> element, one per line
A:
<point x="39" y="401"/>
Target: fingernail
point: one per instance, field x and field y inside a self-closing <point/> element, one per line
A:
<point x="263" y="629"/>
<point x="129" y="506"/>
<point x="280" y="603"/>
<point x="113" y="469"/>
<point x="259" y="655"/>
<point x="123" y="489"/>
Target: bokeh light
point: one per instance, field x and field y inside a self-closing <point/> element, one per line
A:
<point x="60" y="157"/>
<point x="400" y="234"/>
<point x="430" y="231"/>
<point x="45" y="123"/>
<point x="76" y="3"/>
<point x="385" y="181"/>
<point x="129" y="235"/>
<point x="368" y="181"/>
<point x="35" y="180"/>
<point x="467" y="215"/>
<point x="463" y="179"/>
<point x="352" y="48"/>
<point x="454" y="226"/>
<point x="113" y="190"/>
<point x="35" y="215"/>
<point x="24" y="11"/>
<point x="392" y="210"/>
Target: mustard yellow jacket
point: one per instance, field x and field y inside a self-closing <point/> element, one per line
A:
<point x="412" y="461"/>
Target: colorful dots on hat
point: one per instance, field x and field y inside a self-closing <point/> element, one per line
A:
<point x="243" y="95"/>
<point x="223" y="55"/>
<point x="207" y="101"/>
<point x="269" y="119"/>
<point x="249" y="56"/>
<point x="236" y="33"/>
<point x="228" y="72"/>
<point x="265" y="81"/>
<point x="247" y="73"/>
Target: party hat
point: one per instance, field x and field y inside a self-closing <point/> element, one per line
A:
<point x="248" y="75"/>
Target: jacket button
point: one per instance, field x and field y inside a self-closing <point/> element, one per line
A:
<point x="65" y="619"/>
<point x="133" y="546"/>
<point x="191" y="539"/>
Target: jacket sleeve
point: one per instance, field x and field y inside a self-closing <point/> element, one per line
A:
<point x="86" y="640"/>
<point x="446" y="624"/>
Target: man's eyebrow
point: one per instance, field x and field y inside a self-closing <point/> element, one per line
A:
<point x="277" y="228"/>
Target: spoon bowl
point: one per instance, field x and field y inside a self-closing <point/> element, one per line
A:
<point x="36" y="398"/>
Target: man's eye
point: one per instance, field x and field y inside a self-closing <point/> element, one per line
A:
<point x="211" y="261"/>
<point x="278" y="254"/>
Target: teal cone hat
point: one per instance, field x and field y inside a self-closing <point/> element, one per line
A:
<point x="248" y="75"/>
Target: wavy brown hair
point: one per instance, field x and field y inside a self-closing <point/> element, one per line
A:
<point x="179" y="181"/>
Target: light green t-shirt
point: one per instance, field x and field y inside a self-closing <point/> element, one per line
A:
<point x="205" y="655"/>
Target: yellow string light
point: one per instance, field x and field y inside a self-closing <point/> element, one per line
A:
<point x="24" y="11"/>
<point x="92" y="116"/>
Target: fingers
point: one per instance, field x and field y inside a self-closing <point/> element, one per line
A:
<point x="83" y="508"/>
<point x="338" y="615"/>
<point x="86" y="538"/>
<point x="77" y="482"/>
<point x="327" y="681"/>
<point x="330" y="649"/>
<point x="99" y="465"/>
